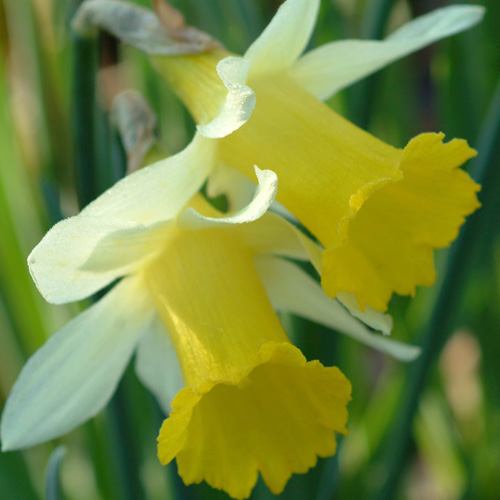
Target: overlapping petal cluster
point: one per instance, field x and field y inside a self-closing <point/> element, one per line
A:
<point x="199" y="290"/>
<point x="196" y="302"/>
<point x="265" y="108"/>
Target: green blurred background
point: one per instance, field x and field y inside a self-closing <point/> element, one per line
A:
<point x="58" y="151"/>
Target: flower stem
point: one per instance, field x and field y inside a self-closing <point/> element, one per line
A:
<point x="123" y="446"/>
<point x="84" y="74"/>
<point x="443" y="316"/>
<point x="373" y="28"/>
<point x="375" y="21"/>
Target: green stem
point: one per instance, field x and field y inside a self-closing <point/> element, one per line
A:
<point x="375" y="22"/>
<point x="83" y="93"/>
<point x="15" y="477"/>
<point x="448" y="302"/>
<point x="123" y="446"/>
<point x="374" y="25"/>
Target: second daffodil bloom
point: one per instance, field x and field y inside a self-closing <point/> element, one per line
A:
<point x="378" y="211"/>
<point x="197" y="291"/>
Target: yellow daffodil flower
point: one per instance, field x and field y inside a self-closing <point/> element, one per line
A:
<point x="378" y="211"/>
<point x="265" y="108"/>
<point x="196" y="301"/>
<point x="252" y="402"/>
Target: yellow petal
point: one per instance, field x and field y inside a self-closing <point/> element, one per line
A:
<point x="212" y="302"/>
<point x="277" y="419"/>
<point x="391" y="241"/>
<point x="326" y="166"/>
<point x="195" y="80"/>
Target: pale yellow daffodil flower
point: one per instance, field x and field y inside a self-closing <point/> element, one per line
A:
<point x="196" y="302"/>
<point x="378" y="211"/>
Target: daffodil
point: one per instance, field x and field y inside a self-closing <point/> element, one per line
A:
<point x="378" y="211"/>
<point x="196" y="301"/>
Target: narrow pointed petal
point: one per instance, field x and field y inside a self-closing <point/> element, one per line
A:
<point x="238" y="103"/>
<point x="157" y="366"/>
<point x="374" y="319"/>
<point x="331" y="67"/>
<point x="392" y="239"/>
<point x="276" y="420"/>
<point x="73" y="375"/>
<point x="264" y="196"/>
<point x="157" y="193"/>
<point x="285" y="38"/>
<point x="120" y="229"/>
<point x="292" y="290"/>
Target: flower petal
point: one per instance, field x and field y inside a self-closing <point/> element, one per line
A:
<point x="272" y="234"/>
<point x="210" y="298"/>
<point x="119" y="230"/>
<point x="374" y="319"/>
<point x="157" y="366"/>
<point x="285" y="38"/>
<point x="157" y="193"/>
<point x="277" y="419"/>
<point x="73" y="375"/>
<point x="331" y="67"/>
<point x="292" y="290"/>
<point x="81" y="255"/>
<point x="392" y="239"/>
<point x="326" y="166"/>
<point x="264" y="196"/>
<point x="238" y="104"/>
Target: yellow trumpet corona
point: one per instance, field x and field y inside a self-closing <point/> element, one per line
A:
<point x="251" y="403"/>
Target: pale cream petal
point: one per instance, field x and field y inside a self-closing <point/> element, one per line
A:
<point x="157" y="366"/>
<point x="158" y="192"/>
<point x="73" y="375"/>
<point x="81" y="255"/>
<point x="292" y="290"/>
<point x="272" y="234"/>
<point x="264" y="196"/>
<point x="120" y="230"/>
<point x="374" y="319"/>
<point x="331" y="67"/>
<point x="239" y="101"/>
<point x="284" y="39"/>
